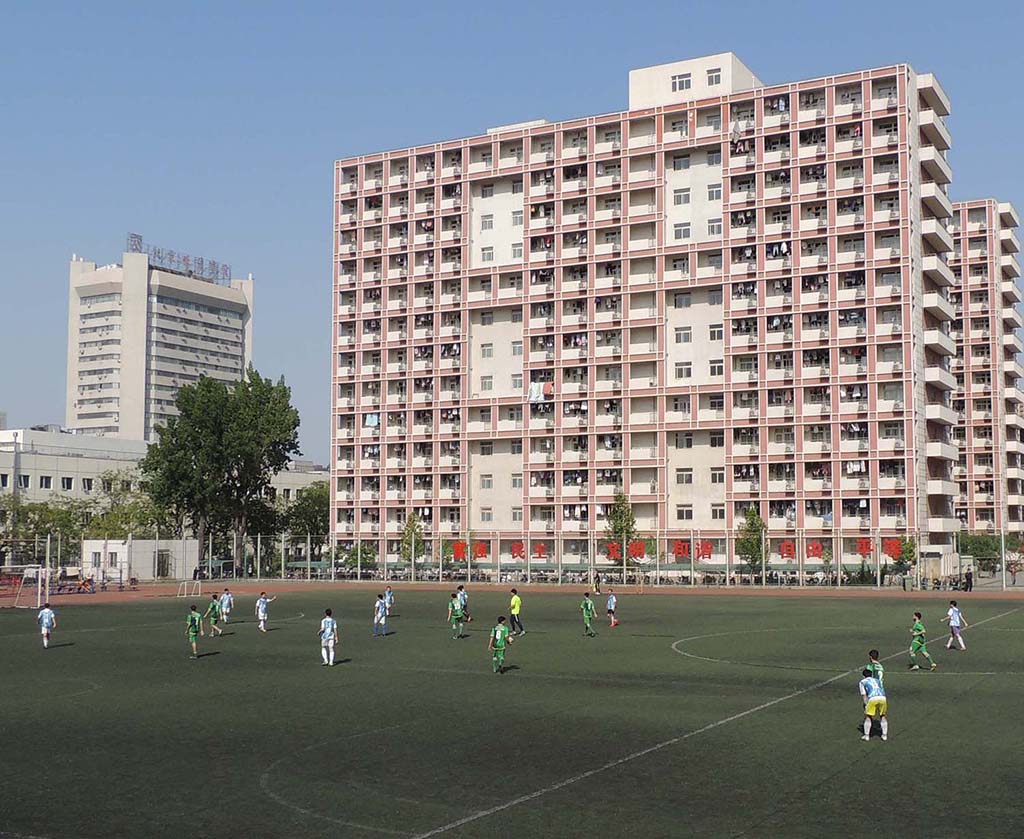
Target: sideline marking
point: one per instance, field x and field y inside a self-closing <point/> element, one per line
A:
<point x="131" y="628"/>
<point x="522" y="799"/>
<point x="284" y="802"/>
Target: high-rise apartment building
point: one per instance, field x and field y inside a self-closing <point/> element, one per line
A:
<point x="140" y="330"/>
<point x="731" y="295"/>
<point x="988" y="397"/>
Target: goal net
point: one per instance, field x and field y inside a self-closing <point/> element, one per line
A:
<point x="23" y="586"/>
<point x="190" y="588"/>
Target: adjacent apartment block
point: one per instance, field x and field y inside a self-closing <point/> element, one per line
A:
<point x="731" y="295"/>
<point x="988" y="398"/>
<point x="137" y="332"/>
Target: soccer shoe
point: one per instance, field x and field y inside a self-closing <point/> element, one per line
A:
<point x="885" y="737"/>
<point x="934" y="666"/>
<point x="865" y="737"/>
<point x="915" y="667"/>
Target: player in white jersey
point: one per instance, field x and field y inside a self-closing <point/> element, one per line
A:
<point x="872" y="694"/>
<point x="463" y="596"/>
<point x="47" y="620"/>
<point x="328" y="633"/>
<point x="389" y="599"/>
<point x="261" y="610"/>
<point x="612" y="600"/>
<point x="957" y="622"/>
<point x="227" y="602"/>
<point x="380" y="617"/>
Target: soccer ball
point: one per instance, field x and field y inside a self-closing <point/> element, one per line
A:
<point x="510" y="639"/>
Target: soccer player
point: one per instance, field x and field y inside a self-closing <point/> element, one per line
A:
<point x="380" y="617"/>
<point x="389" y="599"/>
<point x="496" y="644"/>
<point x="463" y="596"/>
<point x="261" y="610"/>
<point x="957" y="622"/>
<point x="514" y="607"/>
<point x="193" y="627"/>
<point x="455" y="616"/>
<point x="875" y="666"/>
<point x="227" y="603"/>
<point x="587" y="608"/>
<point x="919" y="643"/>
<point x="872" y="694"/>
<point x="328" y="638"/>
<point x="47" y="620"/>
<point x="213" y="613"/>
<point x="612" y="599"/>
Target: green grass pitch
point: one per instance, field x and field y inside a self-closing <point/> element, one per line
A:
<point x="748" y="728"/>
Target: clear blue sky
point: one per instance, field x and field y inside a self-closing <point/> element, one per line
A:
<point x="212" y="128"/>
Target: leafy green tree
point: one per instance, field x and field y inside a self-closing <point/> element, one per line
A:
<point x="750" y="542"/>
<point x="311" y="513"/>
<point x="362" y="554"/>
<point x="621" y="525"/>
<point x="125" y="509"/>
<point x="412" y="539"/>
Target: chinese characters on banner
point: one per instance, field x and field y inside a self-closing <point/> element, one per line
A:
<point x="479" y="550"/>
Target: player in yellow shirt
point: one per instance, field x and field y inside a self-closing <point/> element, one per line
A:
<point x="514" y="607"/>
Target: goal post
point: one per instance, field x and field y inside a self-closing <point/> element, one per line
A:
<point x="26" y="585"/>
<point x="190" y="588"/>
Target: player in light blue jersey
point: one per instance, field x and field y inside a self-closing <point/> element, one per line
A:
<point x="612" y="600"/>
<point x="328" y="633"/>
<point x="957" y="623"/>
<point x="227" y="603"/>
<point x="262" y="605"/>
<point x="47" y="620"/>
<point x="872" y="694"/>
<point x="389" y="599"/>
<point x="380" y="617"/>
<point x="463" y="596"/>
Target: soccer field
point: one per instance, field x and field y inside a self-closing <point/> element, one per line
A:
<point x="710" y="716"/>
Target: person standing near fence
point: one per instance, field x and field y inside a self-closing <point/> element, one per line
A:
<point x="47" y="620"/>
<point x="969" y="579"/>
<point x="514" y="607"/>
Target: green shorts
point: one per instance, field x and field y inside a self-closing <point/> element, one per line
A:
<point x="193" y="637"/>
<point x="499" y="655"/>
<point x="918" y="645"/>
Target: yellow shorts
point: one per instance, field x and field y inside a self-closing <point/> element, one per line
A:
<point x="875" y="708"/>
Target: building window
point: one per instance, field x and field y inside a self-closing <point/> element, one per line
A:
<point x="714" y="158"/>
<point x="487" y="254"/>
<point x="681" y="231"/>
<point x="517" y="218"/>
<point x="717" y="439"/>
<point x="486" y="318"/>
<point x="517" y="187"/>
<point x="715" y="297"/>
<point x="714" y="227"/>
<point x="517" y="250"/>
<point x="487" y="350"/>
<point x="517" y="348"/>
<point x="517" y="480"/>
<point x="680" y="162"/>
<point x="517" y="514"/>
<point x="45" y="482"/>
<point x="715" y="332"/>
<point x="517" y="316"/>
<point x="681" y="196"/>
<point x="517" y="381"/>
<point x="684" y="334"/>
<point x="67" y="484"/>
<point x="714" y="76"/>
<point x="516" y="446"/>
<point x="684" y="512"/>
<point x="487" y="514"/>
<point x="682" y="300"/>
<point x="716" y="367"/>
<point x="681" y="404"/>
<point x="714" y="192"/>
<point x="684" y="477"/>
<point x="487" y="448"/>
<point x="24" y="482"/>
<point x="3" y="480"/>
<point x="684" y="440"/>
<point x="487" y="191"/>
<point x="86" y="484"/>
<point x="487" y="383"/>
<point x="718" y="475"/>
<point x="684" y="370"/>
<point x="486" y="481"/>
<point x="680" y="82"/>
<point x="718" y="512"/>
<point x="487" y="222"/>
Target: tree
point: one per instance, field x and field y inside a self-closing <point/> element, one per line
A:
<point x="260" y="434"/>
<point x="750" y="542"/>
<point x="986" y="548"/>
<point x="184" y="469"/>
<point x="311" y="513"/>
<point x="621" y="527"/>
<point x="126" y="510"/>
<point x="412" y="539"/>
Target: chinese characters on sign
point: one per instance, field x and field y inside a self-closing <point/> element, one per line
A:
<point x="181" y="263"/>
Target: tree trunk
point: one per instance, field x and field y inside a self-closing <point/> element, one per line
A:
<point x="201" y="536"/>
<point x="241" y="530"/>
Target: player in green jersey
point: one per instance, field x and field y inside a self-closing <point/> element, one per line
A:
<point x="455" y="616"/>
<point x="919" y="644"/>
<point x="587" y="608"/>
<point x="193" y="628"/>
<point x="499" y="639"/>
<point x="876" y="668"/>
<point x="213" y="613"/>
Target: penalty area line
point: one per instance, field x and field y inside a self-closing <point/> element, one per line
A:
<point x="657" y="747"/>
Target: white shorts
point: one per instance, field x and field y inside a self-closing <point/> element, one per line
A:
<point x="261" y="616"/>
<point x="225" y="610"/>
<point x="329" y="643"/>
<point x="379" y="619"/>
<point x="45" y="630"/>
